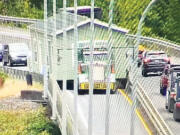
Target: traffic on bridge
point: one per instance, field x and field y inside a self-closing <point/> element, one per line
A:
<point x="102" y="75"/>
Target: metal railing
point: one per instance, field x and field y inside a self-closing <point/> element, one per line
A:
<point x="21" y="74"/>
<point x="153" y="114"/>
<point x="17" y="19"/>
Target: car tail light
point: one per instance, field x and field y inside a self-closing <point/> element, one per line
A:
<point x="167" y="60"/>
<point x="79" y="69"/>
<point x="177" y="105"/>
<point x="112" y="69"/>
<point x="147" y="61"/>
<point x="173" y="95"/>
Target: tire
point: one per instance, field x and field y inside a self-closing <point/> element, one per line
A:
<point x="161" y="90"/>
<point x="10" y="63"/>
<point x="144" y="73"/>
<point x="139" y="64"/>
<point x="4" y="63"/>
<point x="82" y="92"/>
<point x="113" y="91"/>
<point x="170" y="109"/>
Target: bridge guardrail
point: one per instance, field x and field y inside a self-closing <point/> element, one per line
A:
<point x="152" y="43"/>
<point x="21" y="74"/>
<point x="153" y="114"/>
<point x="17" y="19"/>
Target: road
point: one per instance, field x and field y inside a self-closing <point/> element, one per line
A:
<point x="120" y="115"/>
<point x="151" y="86"/>
<point x="19" y="67"/>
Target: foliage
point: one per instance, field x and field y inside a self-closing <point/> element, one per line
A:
<point x="27" y="123"/>
<point x="3" y="75"/>
<point x="20" y="8"/>
<point x="163" y="20"/>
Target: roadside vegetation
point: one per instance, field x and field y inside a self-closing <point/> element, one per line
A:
<point x="33" y="122"/>
<point x="163" y="20"/>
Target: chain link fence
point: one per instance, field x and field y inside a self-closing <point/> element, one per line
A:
<point x="100" y="77"/>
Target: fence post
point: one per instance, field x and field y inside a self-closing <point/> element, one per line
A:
<point x="133" y="114"/>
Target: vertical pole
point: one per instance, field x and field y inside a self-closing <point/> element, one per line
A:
<point x="64" y="43"/>
<point x="111" y="6"/>
<point x="64" y="67"/>
<point x="134" y="81"/>
<point x="54" y="63"/>
<point x="76" y="68"/>
<point x="91" y="80"/>
<point x="45" y="70"/>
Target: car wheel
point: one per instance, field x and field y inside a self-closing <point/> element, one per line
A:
<point x="161" y="90"/>
<point x="4" y="63"/>
<point x="10" y="63"/>
<point x="174" y="117"/>
<point x="144" y="73"/>
<point x="113" y="91"/>
<point x="139" y="64"/>
<point x="170" y="106"/>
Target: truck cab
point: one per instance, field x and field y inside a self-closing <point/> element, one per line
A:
<point x="100" y="69"/>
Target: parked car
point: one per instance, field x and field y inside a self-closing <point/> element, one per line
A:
<point x="171" y="92"/>
<point x="176" y="112"/>
<point x="164" y="80"/>
<point x="15" y="53"/>
<point x="154" y="61"/>
<point x="1" y="52"/>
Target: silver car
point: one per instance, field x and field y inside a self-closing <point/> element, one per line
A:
<point x="171" y="91"/>
<point x="176" y="112"/>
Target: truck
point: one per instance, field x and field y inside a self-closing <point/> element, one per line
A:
<point x="102" y="67"/>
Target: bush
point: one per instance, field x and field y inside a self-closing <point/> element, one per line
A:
<point x="27" y="123"/>
<point x="3" y="75"/>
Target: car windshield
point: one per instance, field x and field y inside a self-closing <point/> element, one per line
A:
<point x="18" y="49"/>
<point x="157" y="55"/>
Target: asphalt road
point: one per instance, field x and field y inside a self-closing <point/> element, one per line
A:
<point x="19" y="67"/>
<point x="120" y="115"/>
<point x="152" y="87"/>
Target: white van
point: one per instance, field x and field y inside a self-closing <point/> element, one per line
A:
<point x="15" y="53"/>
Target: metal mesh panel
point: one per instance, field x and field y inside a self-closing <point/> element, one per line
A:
<point x="103" y="76"/>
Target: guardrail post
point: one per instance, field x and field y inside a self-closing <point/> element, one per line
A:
<point x="45" y="68"/>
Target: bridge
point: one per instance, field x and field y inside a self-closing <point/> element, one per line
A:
<point x="135" y="107"/>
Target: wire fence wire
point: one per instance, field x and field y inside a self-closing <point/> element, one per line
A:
<point x="94" y="72"/>
<point x="102" y="56"/>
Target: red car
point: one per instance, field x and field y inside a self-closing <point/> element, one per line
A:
<point x="164" y="80"/>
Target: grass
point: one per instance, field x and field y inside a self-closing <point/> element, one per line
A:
<point x="13" y="87"/>
<point x="27" y="123"/>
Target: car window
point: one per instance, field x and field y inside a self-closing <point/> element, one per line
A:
<point x="18" y="49"/>
<point x="156" y="55"/>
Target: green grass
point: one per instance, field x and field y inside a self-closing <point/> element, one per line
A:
<point x="27" y="123"/>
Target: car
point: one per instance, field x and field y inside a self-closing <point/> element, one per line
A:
<point x="1" y="52"/>
<point x="154" y="61"/>
<point x="176" y="112"/>
<point x="15" y="53"/>
<point x="171" y="92"/>
<point x="164" y="80"/>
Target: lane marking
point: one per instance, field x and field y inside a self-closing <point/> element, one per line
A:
<point x="138" y="113"/>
